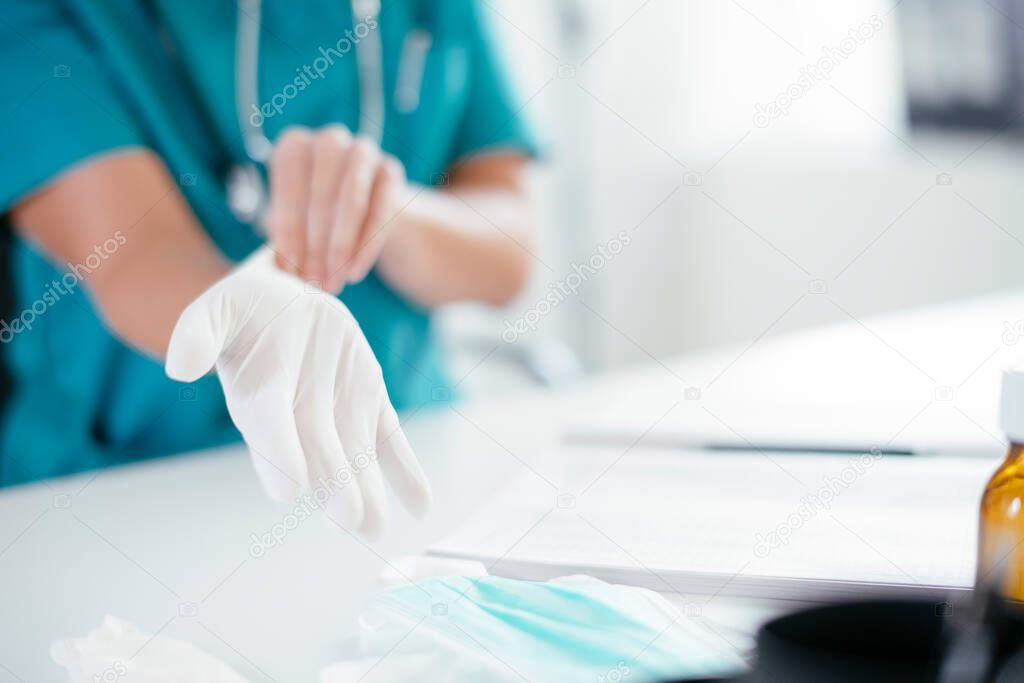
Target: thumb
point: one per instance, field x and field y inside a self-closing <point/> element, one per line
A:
<point x="196" y="342"/>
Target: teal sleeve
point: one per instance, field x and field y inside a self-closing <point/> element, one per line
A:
<point x="57" y="105"/>
<point x="495" y="118"/>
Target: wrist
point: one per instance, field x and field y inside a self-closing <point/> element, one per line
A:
<point x="142" y="296"/>
<point x="403" y="251"/>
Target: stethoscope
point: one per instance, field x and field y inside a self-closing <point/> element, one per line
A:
<point x="246" y="189"/>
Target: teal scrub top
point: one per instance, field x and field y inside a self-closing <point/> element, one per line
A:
<point x="83" y="78"/>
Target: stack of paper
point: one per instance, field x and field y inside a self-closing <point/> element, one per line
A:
<point x="752" y="524"/>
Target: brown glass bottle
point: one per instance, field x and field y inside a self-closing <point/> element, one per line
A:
<point x="1001" y="525"/>
<point x="1001" y="529"/>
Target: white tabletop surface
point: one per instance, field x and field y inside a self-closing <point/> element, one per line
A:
<point x="167" y="544"/>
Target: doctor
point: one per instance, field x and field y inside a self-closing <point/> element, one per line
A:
<point x="136" y="138"/>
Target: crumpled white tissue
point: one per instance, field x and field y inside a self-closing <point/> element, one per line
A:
<point x="118" y="651"/>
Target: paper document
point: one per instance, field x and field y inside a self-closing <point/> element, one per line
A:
<point x="923" y="381"/>
<point x="770" y="525"/>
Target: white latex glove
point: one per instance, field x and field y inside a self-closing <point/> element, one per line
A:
<point x="118" y="651"/>
<point x="305" y="390"/>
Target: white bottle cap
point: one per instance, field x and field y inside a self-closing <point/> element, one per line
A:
<point x="1011" y="407"/>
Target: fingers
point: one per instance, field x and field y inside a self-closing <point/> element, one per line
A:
<point x="375" y="513"/>
<point x="329" y="468"/>
<point x="332" y="198"/>
<point x="359" y="444"/>
<point x="351" y="411"/>
<point x="353" y="203"/>
<point x="276" y="481"/>
<point x="384" y="197"/>
<point x="400" y="465"/>
<point x="291" y="168"/>
<point x="330" y="152"/>
<point x="261" y="408"/>
<point x="276" y="451"/>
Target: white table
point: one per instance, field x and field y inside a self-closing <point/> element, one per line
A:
<point x="166" y="544"/>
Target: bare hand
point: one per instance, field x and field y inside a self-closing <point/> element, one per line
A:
<point x="333" y="198"/>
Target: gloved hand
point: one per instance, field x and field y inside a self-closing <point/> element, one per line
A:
<point x="305" y="390"/>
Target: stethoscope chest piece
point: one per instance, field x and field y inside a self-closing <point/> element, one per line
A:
<point x="246" y="190"/>
<point x="246" y="194"/>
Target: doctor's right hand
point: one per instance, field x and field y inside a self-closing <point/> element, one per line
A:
<point x="305" y="390"/>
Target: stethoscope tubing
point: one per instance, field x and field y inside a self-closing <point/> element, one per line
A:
<point x="246" y="189"/>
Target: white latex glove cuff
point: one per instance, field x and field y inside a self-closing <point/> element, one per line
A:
<point x="305" y="390"/>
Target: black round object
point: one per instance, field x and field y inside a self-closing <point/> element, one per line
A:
<point x="892" y="641"/>
<point x="880" y="640"/>
<point x="877" y="641"/>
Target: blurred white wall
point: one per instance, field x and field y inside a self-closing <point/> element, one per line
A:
<point x="743" y="221"/>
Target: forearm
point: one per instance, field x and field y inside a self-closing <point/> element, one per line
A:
<point x="459" y="244"/>
<point x="155" y="257"/>
<point x="142" y="292"/>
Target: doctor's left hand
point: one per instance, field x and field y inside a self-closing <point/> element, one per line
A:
<point x="333" y="198"/>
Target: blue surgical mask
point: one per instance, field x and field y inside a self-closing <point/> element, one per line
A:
<point x="493" y="629"/>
